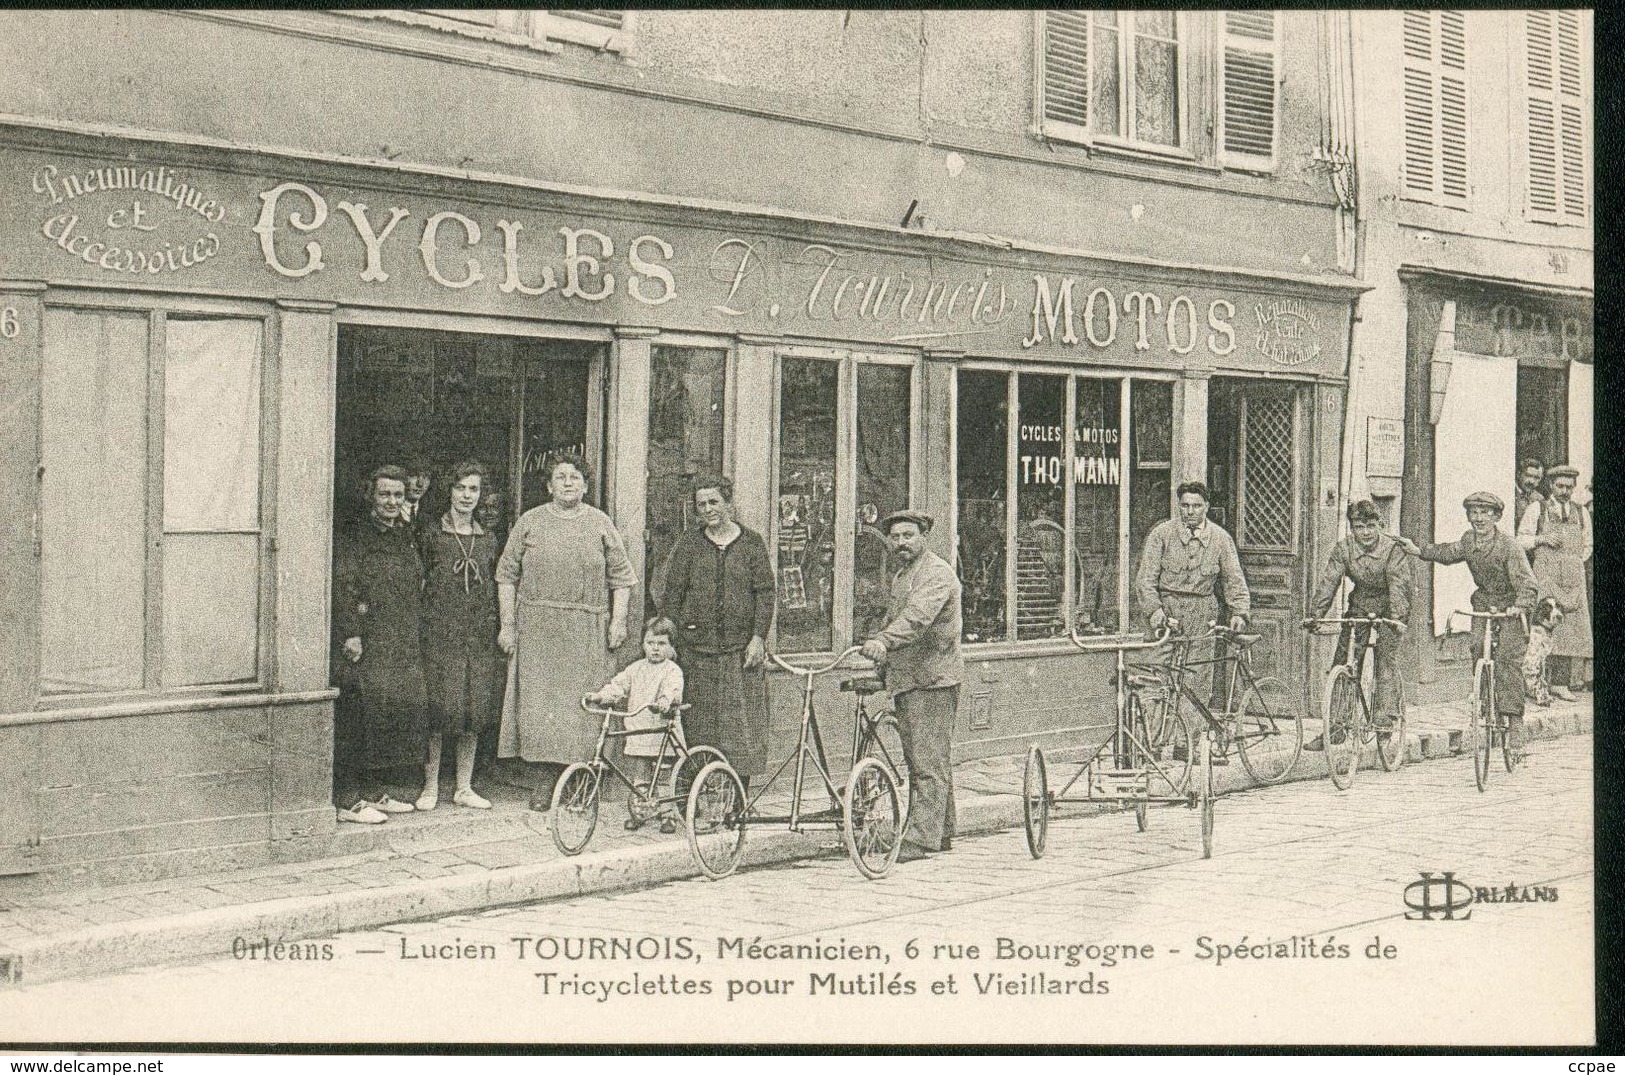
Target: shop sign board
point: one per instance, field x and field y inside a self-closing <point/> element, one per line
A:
<point x="119" y="222"/>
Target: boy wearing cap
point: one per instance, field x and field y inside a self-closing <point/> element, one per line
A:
<point x="1501" y="573"/>
<point x="920" y="647"/>
<point x="1556" y="533"/>
<point x="1383" y="584"/>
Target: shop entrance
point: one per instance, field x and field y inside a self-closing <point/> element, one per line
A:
<point x="1255" y="448"/>
<point x="433" y="399"/>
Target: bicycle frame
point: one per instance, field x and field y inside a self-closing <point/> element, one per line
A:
<point x="1237" y="678"/>
<point x="668" y="740"/>
<point x="809" y="748"/>
<point x="1358" y="652"/>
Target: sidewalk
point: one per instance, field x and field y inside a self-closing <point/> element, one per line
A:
<point x="436" y="866"/>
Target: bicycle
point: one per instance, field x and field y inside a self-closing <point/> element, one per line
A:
<point x="867" y="807"/>
<point x="1348" y="726"/>
<point x="574" y="811"/>
<point x="1256" y="719"/>
<point x="1489" y="724"/>
<point x="1139" y="770"/>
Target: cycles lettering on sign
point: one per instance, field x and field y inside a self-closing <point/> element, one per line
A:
<point x="122" y="218"/>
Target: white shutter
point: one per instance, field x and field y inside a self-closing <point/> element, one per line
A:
<point x="1064" y="88"/>
<point x="1434" y="164"/>
<point x="1555" y="117"/>
<point x="1250" y="73"/>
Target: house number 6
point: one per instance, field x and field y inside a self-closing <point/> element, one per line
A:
<point x="9" y="327"/>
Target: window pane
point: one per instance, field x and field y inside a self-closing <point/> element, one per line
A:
<point x="685" y="441"/>
<point x="1151" y="442"/>
<point x="806" y="499"/>
<point x="212" y="425"/>
<point x="93" y="501"/>
<point x="211" y="608"/>
<point x="1041" y="507"/>
<point x="1096" y="480"/>
<point x="1157" y="23"/>
<point x="1105" y="77"/>
<point x="882" y="479"/>
<point x="556" y="376"/>
<point x="1156" y="92"/>
<point x="983" y="432"/>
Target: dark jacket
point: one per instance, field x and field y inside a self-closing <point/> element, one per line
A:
<point x="719" y="597"/>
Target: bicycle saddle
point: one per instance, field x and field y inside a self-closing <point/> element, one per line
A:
<point x="863" y="684"/>
<point x="1244" y="640"/>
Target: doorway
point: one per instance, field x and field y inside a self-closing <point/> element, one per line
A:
<point x="433" y="399"/>
<point x="1255" y="447"/>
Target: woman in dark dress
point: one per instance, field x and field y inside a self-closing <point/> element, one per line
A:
<point x="719" y="592"/>
<point x="461" y="662"/>
<point x="377" y="624"/>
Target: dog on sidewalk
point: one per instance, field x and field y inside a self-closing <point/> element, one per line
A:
<point x="1536" y="683"/>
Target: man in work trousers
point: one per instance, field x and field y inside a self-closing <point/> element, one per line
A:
<point x="1188" y="560"/>
<point x="1501" y="572"/>
<point x="1556" y="535"/>
<point x="920" y="647"/>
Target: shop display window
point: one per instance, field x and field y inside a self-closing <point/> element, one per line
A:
<point x="808" y="390"/>
<point x="1081" y="513"/>
<point x="686" y="394"/>
<point x="882" y="482"/>
<point x="150" y="567"/>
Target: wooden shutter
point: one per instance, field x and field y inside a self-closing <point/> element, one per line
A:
<point x="1555" y="129"/>
<point x="1434" y="162"/>
<point x="1251" y="66"/>
<point x="1064" y="88"/>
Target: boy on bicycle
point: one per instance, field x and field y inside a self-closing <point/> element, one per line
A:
<point x="1383" y="585"/>
<point x="1504" y="580"/>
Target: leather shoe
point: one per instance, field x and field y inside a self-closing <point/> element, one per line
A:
<point x="912" y="852"/>
<point x="472" y="799"/>
<point x="391" y="806"/>
<point x="1564" y="693"/>
<point x="362" y="813"/>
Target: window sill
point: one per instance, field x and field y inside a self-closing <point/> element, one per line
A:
<point x="1129" y="151"/>
<point x="65" y="709"/>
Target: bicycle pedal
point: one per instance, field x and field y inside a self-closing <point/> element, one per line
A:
<point x="1218" y="760"/>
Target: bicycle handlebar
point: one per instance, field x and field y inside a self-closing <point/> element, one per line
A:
<point x="831" y="666"/>
<point x="1111" y="647"/>
<point x="1342" y="620"/>
<point x="587" y="706"/>
<point x="1504" y="614"/>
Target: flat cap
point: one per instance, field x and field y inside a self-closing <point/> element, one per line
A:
<point x="921" y="519"/>
<point x="1564" y="471"/>
<point x="1485" y="500"/>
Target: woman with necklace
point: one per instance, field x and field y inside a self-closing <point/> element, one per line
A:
<point x="461" y="662"/>
<point x="562" y="589"/>
<point x="719" y="592"/>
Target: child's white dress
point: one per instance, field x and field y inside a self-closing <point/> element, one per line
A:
<point x="639" y="684"/>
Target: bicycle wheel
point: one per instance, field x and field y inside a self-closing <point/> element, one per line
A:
<point x="714" y="820"/>
<point x="1343" y="733"/>
<point x="1173" y="745"/>
<point x="1391" y="744"/>
<point x="1483" y="718"/>
<point x="872" y="817"/>
<point x="1204" y="793"/>
<point x="1035" y="800"/>
<point x="885" y="742"/>
<point x="1135" y="756"/>
<point x="689" y="769"/>
<point x="574" y="813"/>
<point x="1267" y="727"/>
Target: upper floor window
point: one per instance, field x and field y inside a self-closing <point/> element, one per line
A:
<point x="1556" y="95"/>
<point x="1434" y="167"/>
<point x="599" y="28"/>
<point x="1136" y="80"/>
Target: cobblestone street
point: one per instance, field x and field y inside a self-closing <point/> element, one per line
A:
<point x="1306" y="879"/>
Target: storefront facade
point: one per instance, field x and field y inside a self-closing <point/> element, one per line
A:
<point x="204" y="351"/>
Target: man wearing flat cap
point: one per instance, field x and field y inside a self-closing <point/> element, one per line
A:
<point x="1556" y="533"/>
<point x="920" y="648"/>
<point x="1501" y="573"/>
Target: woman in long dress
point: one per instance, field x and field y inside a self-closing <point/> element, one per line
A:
<point x="562" y="589"/>
<point x="461" y="662"/>
<point x="719" y="592"/>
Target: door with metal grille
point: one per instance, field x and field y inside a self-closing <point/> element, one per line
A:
<point x="1256" y="443"/>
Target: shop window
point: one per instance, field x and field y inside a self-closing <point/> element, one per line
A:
<point x="685" y="441"/>
<point x="1557" y="85"/>
<point x="882" y="472"/>
<point x="983" y="434"/>
<point x="1434" y="164"/>
<point x="808" y="391"/>
<point x="1069" y="567"/>
<point x="150" y="569"/>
